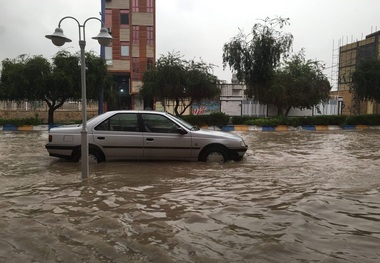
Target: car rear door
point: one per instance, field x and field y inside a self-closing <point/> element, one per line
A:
<point x="120" y="136"/>
<point x="162" y="140"/>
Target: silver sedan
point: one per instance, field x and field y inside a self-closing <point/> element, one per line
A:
<point x="145" y="135"/>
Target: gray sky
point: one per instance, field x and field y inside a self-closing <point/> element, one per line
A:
<point x="195" y="28"/>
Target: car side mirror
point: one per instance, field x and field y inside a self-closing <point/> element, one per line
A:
<point x="180" y="130"/>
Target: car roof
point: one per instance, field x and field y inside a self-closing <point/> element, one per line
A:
<point x="113" y="112"/>
<point x="136" y="111"/>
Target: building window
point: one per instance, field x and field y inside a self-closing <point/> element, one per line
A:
<point x="135" y="35"/>
<point x="150" y="35"/>
<point x="149" y="6"/>
<point x="135" y="5"/>
<point x="135" y="69"/>
<point x="124" y="49"/>
<point x="124" y="18"/>
<point x="108" y="55"/>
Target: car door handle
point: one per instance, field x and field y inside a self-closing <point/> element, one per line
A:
<point x="150" y="139"/>
<point x="101" y="138"/>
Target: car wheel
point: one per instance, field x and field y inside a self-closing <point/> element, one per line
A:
<point x="214" y="155"/>
<point x="94" y="156"/>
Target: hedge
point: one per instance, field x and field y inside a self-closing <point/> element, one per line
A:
<point x="221" y="119"/>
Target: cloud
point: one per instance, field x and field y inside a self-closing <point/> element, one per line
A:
<point x="195" y="28"/>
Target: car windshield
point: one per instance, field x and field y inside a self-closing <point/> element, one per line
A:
<point x="91" y="119"/>
<point x="184" y="123"/>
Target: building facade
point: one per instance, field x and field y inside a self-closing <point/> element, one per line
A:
<point x="132" y="24"/>
<point x="349" y="56"/>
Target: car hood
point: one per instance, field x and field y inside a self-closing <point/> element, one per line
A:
<point x="212" y="133"/>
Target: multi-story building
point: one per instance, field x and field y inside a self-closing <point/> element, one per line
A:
<point x="133" y="49"/>
<point x="349" y="56"/>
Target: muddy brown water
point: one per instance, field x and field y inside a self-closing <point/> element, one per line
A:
<point x="296" y="197"/>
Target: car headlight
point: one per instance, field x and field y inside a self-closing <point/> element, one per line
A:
<point x="242" y="143"/>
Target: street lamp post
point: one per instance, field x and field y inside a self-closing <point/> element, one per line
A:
<point x="104" y="39"/>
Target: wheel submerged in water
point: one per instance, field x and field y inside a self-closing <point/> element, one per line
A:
<point x="94" y="156"/>
<point x="214" y="155"/>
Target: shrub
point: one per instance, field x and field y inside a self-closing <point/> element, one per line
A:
<point x="238" y="120"/>
<point x="218" y="119"/>
<point x="369" y="119"/>
<point x="328" y="120"/>
<point x="196" y="120"/>
<point x="292" y="121"/>
<point x="21" y="122"/>
<point x="265" y="121"/>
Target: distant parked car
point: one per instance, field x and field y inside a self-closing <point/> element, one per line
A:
<point x="145" y="135"/>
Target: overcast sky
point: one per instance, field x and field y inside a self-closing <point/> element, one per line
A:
<point x="195" y="28"/>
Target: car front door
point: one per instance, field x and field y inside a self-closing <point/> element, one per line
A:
<point x="120" y="136"/>
<point x="162" y="139"/>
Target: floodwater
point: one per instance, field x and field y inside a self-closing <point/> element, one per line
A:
<point x="297" y="197"/>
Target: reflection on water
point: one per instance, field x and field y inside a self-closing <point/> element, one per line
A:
<point x="297" y="197"/>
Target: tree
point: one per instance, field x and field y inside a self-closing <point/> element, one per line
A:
<point x="35" y="78"/>
<point x="21" y="76"/>
<point x="366" y="80"/>
<point x="179" y="80"/>
<point x="256" y="56"/>
<point x="299" y="84"/>
<point x="98" y="80"/>
<point x="64" y="82"/>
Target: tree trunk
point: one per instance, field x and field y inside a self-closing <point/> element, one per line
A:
<point x="176" y="107"/>
<point x="51" y="115"/>
<point x="287" y="110"/>
<point x="279" y="111"/>
<point x="52" y="107"/>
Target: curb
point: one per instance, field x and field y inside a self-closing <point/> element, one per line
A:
<point x="299" y="128"/>
<point x="24" y="128"/>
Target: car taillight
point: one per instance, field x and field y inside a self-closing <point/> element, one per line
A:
<point x="50" y="138"/>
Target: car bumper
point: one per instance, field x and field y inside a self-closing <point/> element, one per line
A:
<point x="60" y="151"/>
<point x="238" y="152"/>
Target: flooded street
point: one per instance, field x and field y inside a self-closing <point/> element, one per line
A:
<point x="296" y="197"/>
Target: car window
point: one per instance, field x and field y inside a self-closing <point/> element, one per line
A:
<point x="184" y="123"/>
<point x="158" y="123"/>
<point x="120" y="122"/>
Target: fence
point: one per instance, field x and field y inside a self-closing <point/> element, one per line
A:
<point x="253" y="108"/>
<point x="331" y="107"/>
<point x="68" y="112"/>
<point x="42" y="106"/>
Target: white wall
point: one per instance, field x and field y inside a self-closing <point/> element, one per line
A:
<point x="231" y="107"/>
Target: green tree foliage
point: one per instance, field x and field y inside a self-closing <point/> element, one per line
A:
<point x="21" y="76"/>
<point x="366" y="80"/>
<point x="254" y="57"/>
<point x="182" y="81"/>
<point x="299" y="84"/>
<point x="35" y="78"/>
<point x="97" y="76"/>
